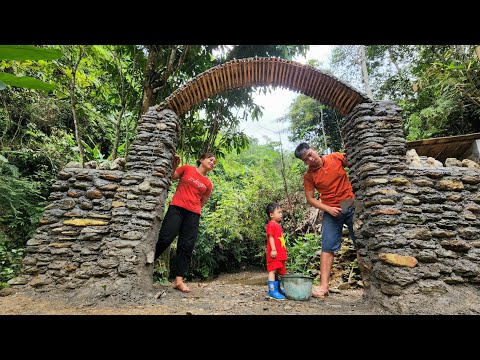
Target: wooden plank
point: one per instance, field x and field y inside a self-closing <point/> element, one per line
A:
<point x="446" y="139"/>
<point x="321" y="88"/>
<point x="316" y="83"/>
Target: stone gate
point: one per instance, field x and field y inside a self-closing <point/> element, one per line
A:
<point x="419" y="236"/>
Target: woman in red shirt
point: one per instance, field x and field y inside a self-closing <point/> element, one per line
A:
<point x="183" y="214"/>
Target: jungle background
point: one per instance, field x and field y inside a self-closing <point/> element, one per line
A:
<point x="82" y="103"/>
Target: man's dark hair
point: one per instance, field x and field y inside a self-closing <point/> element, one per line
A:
<point x="271" y="208"/>
<point x="301" y="148"/>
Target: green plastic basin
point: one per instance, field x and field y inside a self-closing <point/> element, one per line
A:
<point x="297" y="286"/>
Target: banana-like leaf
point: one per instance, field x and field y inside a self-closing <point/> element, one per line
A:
<point x="28" y="52"/>
<point x="25" y="82"/>
<point x="2" y="85"/>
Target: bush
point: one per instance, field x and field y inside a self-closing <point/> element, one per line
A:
<point x="304" y="255"/>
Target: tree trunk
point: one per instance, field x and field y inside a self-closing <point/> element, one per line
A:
<point x="149" y="79"/>
<point x="393" y="60"/>
<point x="366" y="79"/>
<point x="323" y="129"/>
<point x="73" y="103"/>
<point x="117" y="130"/>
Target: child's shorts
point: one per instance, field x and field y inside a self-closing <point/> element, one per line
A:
<point x="279" y="265"/>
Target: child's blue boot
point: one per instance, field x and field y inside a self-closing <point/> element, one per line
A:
<point x="273" y="291"/>
<point x="279" y="288"/>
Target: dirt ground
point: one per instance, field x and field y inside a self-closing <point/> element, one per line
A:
<point x="241" y="293"/>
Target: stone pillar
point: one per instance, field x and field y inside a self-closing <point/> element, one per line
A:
<point x="376" y="150"/>
<point x="419" y="234"/>
<point x="97" y="236"/>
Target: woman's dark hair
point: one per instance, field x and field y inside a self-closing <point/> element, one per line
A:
<point x="204" y="156"/>
<point x="301" y="148"/>
<point x="271" y="208"/>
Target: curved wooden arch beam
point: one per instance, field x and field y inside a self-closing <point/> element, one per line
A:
<point x="263" y="71"/>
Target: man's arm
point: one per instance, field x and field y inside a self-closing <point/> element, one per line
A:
<point x="343" y="159"/>
<point x="310" y="196"/>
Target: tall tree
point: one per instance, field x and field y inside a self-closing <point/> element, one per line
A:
<point x="348" y="62"/>
<point x="75" y="55"/>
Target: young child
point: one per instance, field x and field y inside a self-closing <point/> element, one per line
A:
<point x="276" y="251"/>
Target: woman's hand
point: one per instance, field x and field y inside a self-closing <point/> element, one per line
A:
<point x="175" y="161"/>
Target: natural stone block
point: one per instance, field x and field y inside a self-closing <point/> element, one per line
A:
<point x="94" y="194"/>
<point x="455" y="185"/>
<point x="456" y="245"/>
<point x="395" y="275"/>
<point x="400" y="181"/>
<point x="85" y="222"/>
<point x="443" y="234"/>
<point x="116" y="204"/>
<point x="454" y="197"/>
<point x="427" y="256"/>
<point x="410" y="201"/>
<point x="469" y="233"/>
<point x="432" y="286"/>
<point x="398" y="260"/>
<point x="473" y="208"/>
<point x="385" y="211"/>
<point x="423" y="182"/>
<point x="40" y="280"/>
<point x="373" y="182"/>
<point x="422" y="233"/>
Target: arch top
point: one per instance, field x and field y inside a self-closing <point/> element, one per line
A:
<point x="265" y="71"/>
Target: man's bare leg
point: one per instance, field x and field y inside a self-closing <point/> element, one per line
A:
<point x="326" y="261"/>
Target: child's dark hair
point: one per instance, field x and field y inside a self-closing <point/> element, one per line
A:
<point x="271" y="208"/>
<point x="204" y="156"/>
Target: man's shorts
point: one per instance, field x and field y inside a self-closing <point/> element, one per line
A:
<point x="332" y="228"/>
<point x="279" y="265"/>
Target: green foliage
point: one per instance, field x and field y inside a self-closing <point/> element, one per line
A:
<point x="20" y="203"/>
<point x="25" y="82"/>
<point x="26" y="52"/>
<point x="306" y="124"/>
<point x="20" y="211"/>
<point x="10" y="261"/>
<point x="304" y="255"/>
<point x="436" y="85"/>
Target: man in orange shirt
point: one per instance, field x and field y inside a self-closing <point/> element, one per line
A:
<point x="327" y="175"/>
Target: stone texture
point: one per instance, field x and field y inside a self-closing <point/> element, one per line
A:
<point x="418" y="235"/>
<point x="88" y="240"/>
<point x="430" y="212"/>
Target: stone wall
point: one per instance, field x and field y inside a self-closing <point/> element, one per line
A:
<point x="419" y="237"/>
<point x="419" y="234"/>
<point x="97" y="235"/>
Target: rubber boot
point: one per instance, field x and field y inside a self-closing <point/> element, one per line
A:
<point x="279" y="288"/>
<point x="273" y="291"/>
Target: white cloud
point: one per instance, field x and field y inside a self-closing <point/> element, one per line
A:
<point x="277" y="102"/>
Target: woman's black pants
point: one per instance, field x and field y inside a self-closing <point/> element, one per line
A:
<point x="184" y="223"/>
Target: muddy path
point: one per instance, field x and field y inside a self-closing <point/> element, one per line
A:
<point x="241" y="293"/>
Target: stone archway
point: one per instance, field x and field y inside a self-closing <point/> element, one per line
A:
<point x="419" y="239"/>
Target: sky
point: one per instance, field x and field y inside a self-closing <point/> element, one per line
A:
<point x="276" y="103"/>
